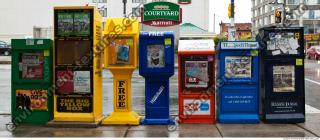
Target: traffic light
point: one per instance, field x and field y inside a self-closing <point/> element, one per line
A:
<point x="278" y="16"/>
<point x="229" y="11"/>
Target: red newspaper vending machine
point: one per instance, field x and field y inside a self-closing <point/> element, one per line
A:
<point x="196" y="81"/>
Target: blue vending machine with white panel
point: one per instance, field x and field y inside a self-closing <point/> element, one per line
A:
<point x="238" y="82"/>
<point x="156" y="65"/>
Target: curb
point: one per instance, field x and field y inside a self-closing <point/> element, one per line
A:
<point x="5" y="62"/>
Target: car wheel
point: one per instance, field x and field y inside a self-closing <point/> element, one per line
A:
<point x="6" y="53"/>
<point x="308" y="56"/>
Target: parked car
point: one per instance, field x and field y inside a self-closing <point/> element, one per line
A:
<point x="5" y="49"/>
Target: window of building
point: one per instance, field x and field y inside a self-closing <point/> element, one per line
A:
<point x="99" y="1"/>
<point x="311" y="14"/>
<point x="103" y="12"/>
<point x="139" y="1"/>
<point x="136" y="12"/>
<point x="294" y="2"/>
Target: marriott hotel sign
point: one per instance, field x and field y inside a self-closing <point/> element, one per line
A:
<point x="161" y="14"/>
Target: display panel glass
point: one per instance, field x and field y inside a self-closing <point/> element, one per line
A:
<point x="73" y="52"/>
<point x="65" y="23"/>
<point x="238" y="67"/>
<point x="31" y="66"/>
<point x="156" y="56"/>
<point x="283" y="78"/>
<point x="69" y="82"/>
<point x="81" y="24"/>
<point x="120" y="51"/>
<point x="196" y="74"/>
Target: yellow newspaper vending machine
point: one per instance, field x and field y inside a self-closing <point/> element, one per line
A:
<point x="121" y="59"/>
<point x="78" y="64"/>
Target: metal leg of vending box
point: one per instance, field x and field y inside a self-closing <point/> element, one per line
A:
<point x="123" y="113"/>
<point x="157" y="102"/>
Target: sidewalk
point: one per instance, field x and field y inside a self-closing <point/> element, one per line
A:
<point x="311" y="128"/>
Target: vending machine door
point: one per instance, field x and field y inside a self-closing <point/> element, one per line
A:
<point x="284" y="78"/>
<point x="284" y="91"/>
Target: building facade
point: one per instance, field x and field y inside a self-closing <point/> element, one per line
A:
<point x="21" y="18"/>
<point x="263" y="14"/>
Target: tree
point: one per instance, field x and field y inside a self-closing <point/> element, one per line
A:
<point x="219" y="38"/>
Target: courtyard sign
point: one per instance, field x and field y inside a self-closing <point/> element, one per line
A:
<point x="161" y="14"/>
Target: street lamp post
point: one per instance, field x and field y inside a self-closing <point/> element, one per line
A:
<point x="124" y="7"/>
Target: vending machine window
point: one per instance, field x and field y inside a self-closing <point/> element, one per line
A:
<point x="73" y="52"/>
<point x="284" y="79"/>
<point x="65" y="23"/>
<point x="238" y="67"/>
<point x="31" y="66"/>
<point x="120" y="51"/>
<point x="156" y="56"/>
<point x="196" y="74"/>
<point x="81" y="25"/>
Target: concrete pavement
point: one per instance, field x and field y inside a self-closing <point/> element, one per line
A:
<point x="308" y="129"/>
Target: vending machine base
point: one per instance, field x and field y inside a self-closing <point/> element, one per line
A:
<point x="169" y="121"/>
<point x="248" y="118"/>
<point x="68" y="117"/>
<point x="122" y="118"/>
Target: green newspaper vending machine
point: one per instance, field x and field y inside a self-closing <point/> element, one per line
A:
<point x="31" y="76"/>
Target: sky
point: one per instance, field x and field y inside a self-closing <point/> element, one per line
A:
<point x="220" y="9"/>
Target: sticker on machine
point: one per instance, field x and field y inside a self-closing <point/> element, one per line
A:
<point x="196" y="107"/>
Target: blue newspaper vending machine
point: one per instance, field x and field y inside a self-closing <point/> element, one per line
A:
<point x="282" y="69"/>
<point x="238" y="82"/>
<point x="156" y="65"/>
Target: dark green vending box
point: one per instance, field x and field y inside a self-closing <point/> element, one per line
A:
<point x="31" y="77"/>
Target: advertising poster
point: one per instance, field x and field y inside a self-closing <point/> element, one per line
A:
<point x="196" y="107"/>
<point x="32" y="66"/>
<point x="155" y="56"/>
<point x="282" y="43"/>
<point x="64" y="82"/>
<point x="32" y="99"/>
<point x="81" y="81"/>
<point x="283" y="79"/>
<point x="81" y="24"/>
<point x="238" y="66"/>
<point x="74" y="104"/>
<point x="196" y="74"/>
<point x="65" y="24"/>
